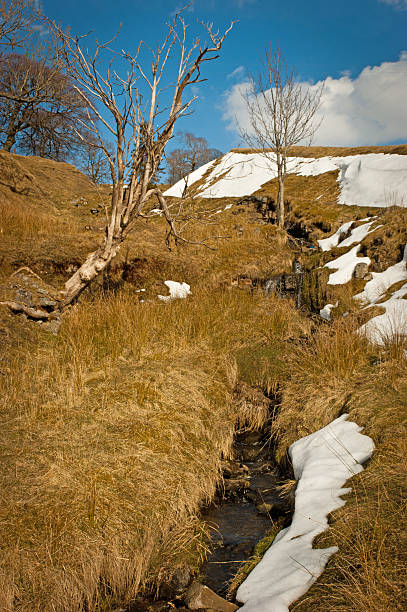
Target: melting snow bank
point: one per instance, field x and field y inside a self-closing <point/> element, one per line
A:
<point x="322" y="463"/>
<point x="393" y="323"/>
<point x="373" y="179"/>
<point x="177" y="290"/>
<point x="325" y="312"/>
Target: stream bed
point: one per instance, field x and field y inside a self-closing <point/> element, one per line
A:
<point x="244" y="510"/>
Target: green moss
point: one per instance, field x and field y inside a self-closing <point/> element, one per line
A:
<point x="258" y="553"/>
<point x="314" y="288"/>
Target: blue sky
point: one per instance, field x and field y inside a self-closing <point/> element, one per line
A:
<point x="357" y="44"/>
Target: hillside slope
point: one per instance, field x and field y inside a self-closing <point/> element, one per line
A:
<point x="364" y="178"/>
<point x="113" y="431"/>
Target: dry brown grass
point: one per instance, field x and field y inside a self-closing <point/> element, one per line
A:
<point x="323" y="369"/>
<point x="21" y="221"/>
<point x="337" y="371"/>
<point x="113" y="432"/>
<point x="112" y="436"/>
<point x="316" y="151"/>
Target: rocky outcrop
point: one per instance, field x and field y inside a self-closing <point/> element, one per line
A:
<point x="26" y="294"/>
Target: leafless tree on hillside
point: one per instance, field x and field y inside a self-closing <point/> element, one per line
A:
<point x="17" y="18"/>
<point x="139" y="111"/>
<point x="281" y="113"/>
<point x="194" y="152"/>
<point x="40" y="108"/>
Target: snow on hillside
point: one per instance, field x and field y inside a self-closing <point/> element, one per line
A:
<point x="345" y="266"/>
<point x="373" y="179"/>
<point x="322" y="463"/>
<point x="393" y="322"/>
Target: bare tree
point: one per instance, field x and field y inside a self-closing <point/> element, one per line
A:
<point x="93" y="161"/>
<point x="16" y="21"/>
<point x="194" y="152"/>
<point x="281" y="113"/>
<point x="40" y="109"/>
<point x="137" y="122"/>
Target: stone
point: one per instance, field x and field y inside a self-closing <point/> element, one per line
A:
<point x="297" y="267"/>
<point x="200" y="596"/>
<point x="290" y="282"/>
<point x="236" y="484"/>
<point x="24" y="292"/>
<point x="181" y="579"/>
<point x="52" y="326"/>
<point x="361" y="270"/>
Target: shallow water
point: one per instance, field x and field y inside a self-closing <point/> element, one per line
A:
<point x="237" y="528"/>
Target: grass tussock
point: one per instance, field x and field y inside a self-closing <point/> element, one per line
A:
<point x="112" y="437"/>
<point x="323" y="369"/>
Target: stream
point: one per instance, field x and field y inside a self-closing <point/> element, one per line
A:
<point x="240" y="516"/>
<point x="243" y="511"/>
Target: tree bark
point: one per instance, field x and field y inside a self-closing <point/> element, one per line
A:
<point x="280" y="202"/>
<point x="95" y="263"/>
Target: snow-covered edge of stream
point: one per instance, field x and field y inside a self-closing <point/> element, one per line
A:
<point x="322" y="462"/>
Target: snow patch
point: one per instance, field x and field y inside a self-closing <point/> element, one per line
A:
<point x="393" y="322"/>
<point x="373" y="179"/>
<point x="322" y="463"/>
<point x="390" y="325"/>
<point x="325" y="312"/>
<point x="345" y="266"/>
<point x="326" y="244"/>
<point x="177" y="190"/>
<point x="358" y="234"/>
<point x="177" y="290"/>
<point x="381" y="281"/>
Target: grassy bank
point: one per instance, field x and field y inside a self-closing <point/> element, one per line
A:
<point x="336" y="372"/>
<point x="112" y="437"/>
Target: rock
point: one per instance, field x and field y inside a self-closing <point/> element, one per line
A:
<point x="25" y="293"/>
<point x="52" y="326"/>
<point x="249" y="453"/>
<point x="200" y="596"/>
<point x="361" y="270"/>
<point x="297" y="267"/>
<point x="181" y="579"/>
<point x="233" y="485"/>
<point x="46" y="302"/>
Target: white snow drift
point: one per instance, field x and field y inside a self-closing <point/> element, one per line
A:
<point x="345" y="266"/>
<point x="177" y="290"/>
<point x="373" y="179"/>
<point x="393" y="322"/>
<point x="322" y="463"/>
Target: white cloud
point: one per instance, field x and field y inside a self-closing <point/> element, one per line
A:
<point x="401" y="5"/>
<point x="369" y="109"/>
<point x="237" y="72"/>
